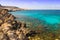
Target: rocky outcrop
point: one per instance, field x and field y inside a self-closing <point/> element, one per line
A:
<point x="10" y="8"/>
<point x="11" y="29"/>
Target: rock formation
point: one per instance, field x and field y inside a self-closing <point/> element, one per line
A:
<point x="0" y="4"/>
<point x="10" y="8"/>
<point x="11" y="29"/>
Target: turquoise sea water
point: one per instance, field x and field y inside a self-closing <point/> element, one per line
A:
<point x="34" y="18"/>
<point x="49" y="16"/>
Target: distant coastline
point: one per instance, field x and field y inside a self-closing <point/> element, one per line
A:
<point x="11" y="8"/>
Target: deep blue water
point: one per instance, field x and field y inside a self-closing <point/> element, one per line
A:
<point x="49" y="16"/>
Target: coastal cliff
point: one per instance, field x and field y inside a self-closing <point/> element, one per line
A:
<point x="11" y="8"/>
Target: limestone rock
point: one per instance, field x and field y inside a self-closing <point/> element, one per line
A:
<point x="11" y="29"/>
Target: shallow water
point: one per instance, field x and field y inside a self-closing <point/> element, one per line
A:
<point x="45" y="21"/>
<point x="50" y="16"/>
<point x="34" y="18"/>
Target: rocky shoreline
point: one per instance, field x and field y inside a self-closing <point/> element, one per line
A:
<point x="11" y="29"/>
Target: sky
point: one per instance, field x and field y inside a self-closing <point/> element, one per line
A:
<point x="32" y="4"/>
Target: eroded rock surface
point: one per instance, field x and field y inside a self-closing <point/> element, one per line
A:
<point x="11" y="29"/>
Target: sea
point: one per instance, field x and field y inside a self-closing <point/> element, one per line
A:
<point x="38" y="17"/>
